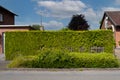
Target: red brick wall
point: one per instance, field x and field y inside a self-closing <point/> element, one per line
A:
<point x="117" y="38"/>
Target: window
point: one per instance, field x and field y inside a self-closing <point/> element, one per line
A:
<point x="1" y="17"/>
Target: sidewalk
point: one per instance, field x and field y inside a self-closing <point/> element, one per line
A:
<point x="2" y="57"/>
<point x="3" y="63"/>
<point x="117" y="53"/>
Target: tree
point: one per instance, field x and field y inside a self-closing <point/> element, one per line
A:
<point x="37" y="27"/>
<point x="78" y="22"/>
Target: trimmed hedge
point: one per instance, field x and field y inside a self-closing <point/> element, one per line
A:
<point x="61" y="59"/>
<point x="29" y="43"/>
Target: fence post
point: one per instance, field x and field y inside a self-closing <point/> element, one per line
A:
<point x="3" y="44"/>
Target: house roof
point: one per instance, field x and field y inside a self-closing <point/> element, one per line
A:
<point x="8" y="10"/>
<point x="114" y="17"/>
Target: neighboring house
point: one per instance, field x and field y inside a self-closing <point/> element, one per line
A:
<point x="7" y="21"/>
<point x="6" y="17"/>
<point x="111" y="20"/>
<point x="7" y="28"/>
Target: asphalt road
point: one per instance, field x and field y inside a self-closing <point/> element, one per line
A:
<point x="60" y="75"/>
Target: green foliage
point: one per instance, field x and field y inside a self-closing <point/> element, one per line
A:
<point x="97" y="60"/>
<point x="24" y="61"/>
<point x="30" y="43"/>
<point x="78" y="22"/>
<point x="36" y="26"/>
<point x="62" y="59"/>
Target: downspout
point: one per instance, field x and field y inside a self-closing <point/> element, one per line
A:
<point x="113" y="28"/>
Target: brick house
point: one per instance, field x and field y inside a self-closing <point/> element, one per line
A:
<point x="7" y="23"/>
<point x="6" y="17"/>
<point x="111" y="20"/>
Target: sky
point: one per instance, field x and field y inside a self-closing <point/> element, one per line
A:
<point x="56" y="14"/>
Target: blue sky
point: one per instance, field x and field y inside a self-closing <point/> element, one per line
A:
<point x="56" y="14"/>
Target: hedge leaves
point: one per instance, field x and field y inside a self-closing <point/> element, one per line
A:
<point x="31" y="42"/>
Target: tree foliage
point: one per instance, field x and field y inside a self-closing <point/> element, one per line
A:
<point x="78" y="22"/>
<point x="36" y="26"/>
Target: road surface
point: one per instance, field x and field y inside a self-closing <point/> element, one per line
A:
<point x="60" y="75"/>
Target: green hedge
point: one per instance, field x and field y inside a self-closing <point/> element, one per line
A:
<point x="29" y="43"/>
<point x="61" y="59"/>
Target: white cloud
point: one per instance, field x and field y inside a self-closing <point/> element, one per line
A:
<point x="117" y="2"/>
<point x="53" y="25"/>
<point x="110" y="9"/>
<point x="90" y="15"/>
<point x="61" y="9"/>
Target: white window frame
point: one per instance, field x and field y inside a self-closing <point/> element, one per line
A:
<point x="1" y="18"/>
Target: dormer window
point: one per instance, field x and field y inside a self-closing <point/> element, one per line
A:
<point x="1" y="17"/>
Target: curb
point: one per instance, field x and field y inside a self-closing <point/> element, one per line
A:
<point x="56" y="69"/>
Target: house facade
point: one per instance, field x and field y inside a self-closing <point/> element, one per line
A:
<point x="6" y="17"/>
<point x="111" y="20"/>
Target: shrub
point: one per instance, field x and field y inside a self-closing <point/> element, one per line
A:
<point x="62" y="59"/>
<point x="28" y="43"/>
<point x="24" y="61"/>
<point x="101" y="60"/>
<point x="53" y="59"/>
